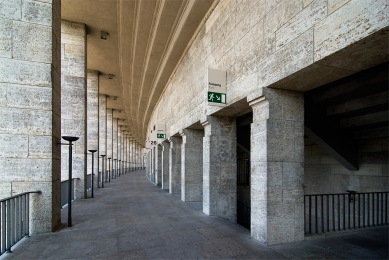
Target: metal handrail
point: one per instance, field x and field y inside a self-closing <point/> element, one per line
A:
<point x="340" y="211"/>
<point x="15" y="220"/>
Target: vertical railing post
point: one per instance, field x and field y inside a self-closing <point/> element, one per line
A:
<point x="93" y="166"/>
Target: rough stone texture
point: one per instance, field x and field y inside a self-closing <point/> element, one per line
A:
<point x="73" y="103"/>
<point x="158" y="164"/>
<point x="354" y="21"/>
<point x="323" y="174"/>
<point x="115" y="145"/>
<point x="175" y="165"/>
<point x="102" y="134"/>
<point x="165" y="165"/>
<point x="109" y="142"/>
<point x="277" y="167"/>
<point x="119" y="150"/>
<point x="30" y="107"/>
<point x="192" y="165"/>
<point x="92" y="118"/>
<point x="219" y="167"/>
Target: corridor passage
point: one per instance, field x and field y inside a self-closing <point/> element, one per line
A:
<point x="133" y="219"/>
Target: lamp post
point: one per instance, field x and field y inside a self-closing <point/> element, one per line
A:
<point x="70" y="139"/>
<point x="109" y="169"/>
<point x="102" y="172"/>
<point x="93" y="157"/>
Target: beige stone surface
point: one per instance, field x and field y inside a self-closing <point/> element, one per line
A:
<point x="334" y="5"/>
<point x="358" y="18"/>
<point x="37" y="12"/>
<point x="11" y="9"/>
<point x="6" y="38"/>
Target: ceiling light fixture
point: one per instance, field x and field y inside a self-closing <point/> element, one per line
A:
<point x="103" y="35"/>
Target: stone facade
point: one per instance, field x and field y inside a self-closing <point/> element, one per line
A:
<point x="102" y="136"/>
<point x="294" y="45"/>
<point x="372" y="176"/>
<point x="92" y="117"/>
<point x="73" y="102"/>
<point x="192" y="165"/>
<point x="175" y="165"/>
<point x="165" y="165"/>
<point x="30" y="107"/>
<point x="219" y="167"/>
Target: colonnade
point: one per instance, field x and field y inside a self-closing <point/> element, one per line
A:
<point x="88" y="114"/>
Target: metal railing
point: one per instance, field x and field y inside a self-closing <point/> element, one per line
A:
<point x="244" y="215"/>
<point x="243" y="172"/>
<point x="15" y="220"/>
<point x="65" y="190"/>
<point x="344" y="211"/>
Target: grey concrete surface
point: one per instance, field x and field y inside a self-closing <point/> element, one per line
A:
<point x="131" y="218"/>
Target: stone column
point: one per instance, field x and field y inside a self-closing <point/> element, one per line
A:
<point x="219" y="171"/>
<point x="119" y="149"/>
<point x="158" y="164"/>
<point x="115" y="144"/>
<point x="73" y="102"/>
<point x="192" y="165"/>
<point x="30" y="107"/>
<point x="175" y="165"/>
<point x="92" y="117"/>
<point x="165" y="165"/>
<point x="277" y="166"/>
<point x="109" y="140"/>
<point x="102" y="133"/>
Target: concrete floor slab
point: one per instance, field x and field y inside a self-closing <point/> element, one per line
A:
<point x="133" y="219"/>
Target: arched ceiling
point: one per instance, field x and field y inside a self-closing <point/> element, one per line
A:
<point x="146" y="40"/>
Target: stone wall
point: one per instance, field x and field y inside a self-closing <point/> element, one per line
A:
<point x="30" y="106"/>
<point x="92" y="118"/>
<point x="73" y="102"/>
<point x="266" y="43"/>
<point x="323" y="174"/>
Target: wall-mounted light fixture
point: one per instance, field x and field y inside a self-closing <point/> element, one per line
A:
<point x="103" y="35"/>
<point x="115" y="98"/>
<point x="110" y="76"/>
<point x="119" y="111"/>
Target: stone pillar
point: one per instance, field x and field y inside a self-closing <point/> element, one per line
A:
<point x="109" y="141"/>
<point x="114" y="144"/>
<point x="277" y="166"/>
<point x="165" y="165"/>
<point x="158" y="164"/>
<point x="219" y="171"/>
<point x="119" y="149"/>
<point x="175" y="165"/>
<point x="30" y="107"/>
<point x="92" y="117"/>
<point x="192" y="165"/>
<point x="73" y="102"/>
<point x="102" y="134"/>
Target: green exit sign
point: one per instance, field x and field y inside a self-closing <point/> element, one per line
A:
<point x="161" y="136"/>
<point x="216" y="97"/>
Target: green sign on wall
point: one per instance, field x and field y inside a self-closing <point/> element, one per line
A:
<point x="216" y="97"/>
<point x="161" y="136"/>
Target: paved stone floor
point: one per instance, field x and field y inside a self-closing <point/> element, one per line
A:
<point x="133" y="219"/>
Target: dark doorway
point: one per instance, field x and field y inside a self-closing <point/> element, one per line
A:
<point x="243" y="132"/>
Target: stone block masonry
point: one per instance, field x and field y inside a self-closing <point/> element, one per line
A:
<point x="192" y="165"/>
<point x="73" y="102"/>
<point x="30" y="106"/>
